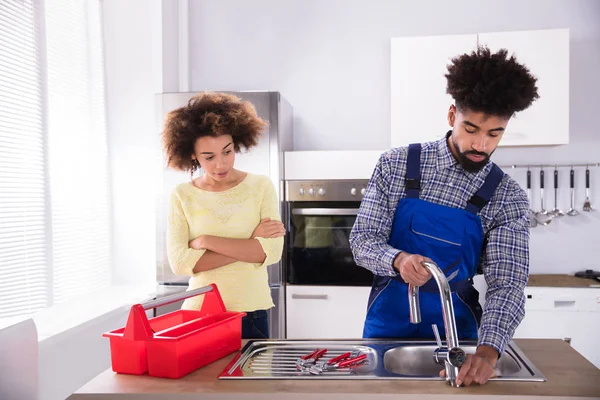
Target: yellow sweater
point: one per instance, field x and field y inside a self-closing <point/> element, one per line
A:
<point x="233" y="213"/>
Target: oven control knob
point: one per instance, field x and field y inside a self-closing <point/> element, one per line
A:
<point x="311" y="191"/>
<point x="321" y="192"/>
<point x="353" y="191"/>
<point x="302" y="192"/>
<point x="362" y="191"/>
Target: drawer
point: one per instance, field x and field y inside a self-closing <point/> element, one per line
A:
<point x="325" y="312"/>
<point x="562" y="299"/>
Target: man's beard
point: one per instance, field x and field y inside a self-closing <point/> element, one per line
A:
<point x="468" y="164"/>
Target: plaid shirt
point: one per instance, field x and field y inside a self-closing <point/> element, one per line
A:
<point x="505" y="221"/>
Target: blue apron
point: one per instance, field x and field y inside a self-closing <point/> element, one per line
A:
<point x="453" y="239"/>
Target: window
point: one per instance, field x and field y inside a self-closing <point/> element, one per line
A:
<point x="23" y="246"/>
<point x="54" y="215"/>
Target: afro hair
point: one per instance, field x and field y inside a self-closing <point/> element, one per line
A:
<point x="209" y="114"/>
<point x="492" y="83"/>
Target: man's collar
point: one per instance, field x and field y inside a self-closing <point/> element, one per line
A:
<point x="445" y="159"/>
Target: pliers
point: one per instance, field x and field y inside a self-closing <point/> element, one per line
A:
<point x="308" y="360"/>
<point x="341" y="361"/>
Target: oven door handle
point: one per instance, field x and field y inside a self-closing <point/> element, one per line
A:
<point x="325" y="211"/>
<point x="309" y="296"/>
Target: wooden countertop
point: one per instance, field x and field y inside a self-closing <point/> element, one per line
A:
<point x="568" y="374"/>
<point x="560" y="280"/>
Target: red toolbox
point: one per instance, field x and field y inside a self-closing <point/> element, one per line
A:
<point x="177" y="343"/>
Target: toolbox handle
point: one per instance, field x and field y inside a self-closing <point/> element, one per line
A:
<point x="163" y="301"/>
<point x="138" y="327"/>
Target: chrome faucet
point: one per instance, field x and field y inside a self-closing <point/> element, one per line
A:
<point x="452" y="356"/>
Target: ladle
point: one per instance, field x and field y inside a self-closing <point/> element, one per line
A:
<point x="571" y="211"/>
<point x="587" y="204"/>
<point x="556" y="212"/>
<point x="532" y="220"/>
<point x="543" y="217"/>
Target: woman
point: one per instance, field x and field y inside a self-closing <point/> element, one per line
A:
<point x="224" y="227"/>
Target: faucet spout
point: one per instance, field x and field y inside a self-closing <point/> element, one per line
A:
<point x="447" y="310"/>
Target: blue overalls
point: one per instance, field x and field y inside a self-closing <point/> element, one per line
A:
<point x="453" y="239"/>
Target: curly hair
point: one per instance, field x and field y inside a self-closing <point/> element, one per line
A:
<point x="209" y="114"/>
<point x="491" y="83"/>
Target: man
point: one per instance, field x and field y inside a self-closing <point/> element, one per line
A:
<point x="445" y="202"/>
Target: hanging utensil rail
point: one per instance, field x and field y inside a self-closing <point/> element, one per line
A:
<point x="550" y="165"/>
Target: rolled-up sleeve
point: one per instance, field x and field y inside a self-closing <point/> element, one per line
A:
<point x="182" y="258"/>
<point x="269" y="208"/>
<point x="371" y="231"/>
<point x="506" y="269"/>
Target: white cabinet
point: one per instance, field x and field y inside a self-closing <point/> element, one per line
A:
<point x="326" y="312"/>
<point x="419" y="103"/>
<point x="560" y="313"/>
<point x="546" y="54"/>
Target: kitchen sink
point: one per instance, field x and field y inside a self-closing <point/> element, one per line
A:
<point x="385" y="359"/>
<point x="418" y="360"/>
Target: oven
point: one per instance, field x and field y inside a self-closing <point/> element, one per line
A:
<point x="319" y="216"/>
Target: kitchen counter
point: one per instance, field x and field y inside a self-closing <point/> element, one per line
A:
<point x="568" y="373"/>
<point x="561" y="280"/>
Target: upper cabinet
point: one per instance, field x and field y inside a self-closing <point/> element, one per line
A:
<point x="419" y="103"/>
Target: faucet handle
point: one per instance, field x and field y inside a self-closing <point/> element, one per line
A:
<point x="437" y="335"/>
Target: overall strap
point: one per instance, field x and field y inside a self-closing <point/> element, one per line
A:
<point x="413" y="171"/>
<point x="486" y="191"/>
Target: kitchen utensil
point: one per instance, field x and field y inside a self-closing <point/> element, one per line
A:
<point x="572" y="211"/>
<point x="587" y="205"/>
<point x="532" y="220"/>
<point x="542" y="216"/>
<point x="556" y="212"/>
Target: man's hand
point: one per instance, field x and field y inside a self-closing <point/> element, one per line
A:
<point x="478" y="367"/>
<point x="268" y="229"/>
<point x="411" y="268"/>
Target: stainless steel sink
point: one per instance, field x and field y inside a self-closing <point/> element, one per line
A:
<point x="417" y="360"/>
<point x="386" y="359"/>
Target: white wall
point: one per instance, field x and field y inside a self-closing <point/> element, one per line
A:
<point x="330" y="59"/>
<point x="129" y="31"/>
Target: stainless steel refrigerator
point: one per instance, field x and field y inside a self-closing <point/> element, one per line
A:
<point x="266" y="159"/>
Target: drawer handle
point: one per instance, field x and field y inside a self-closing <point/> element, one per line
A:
<point x="309" y="296"/>
<point x="564" y="303"/>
